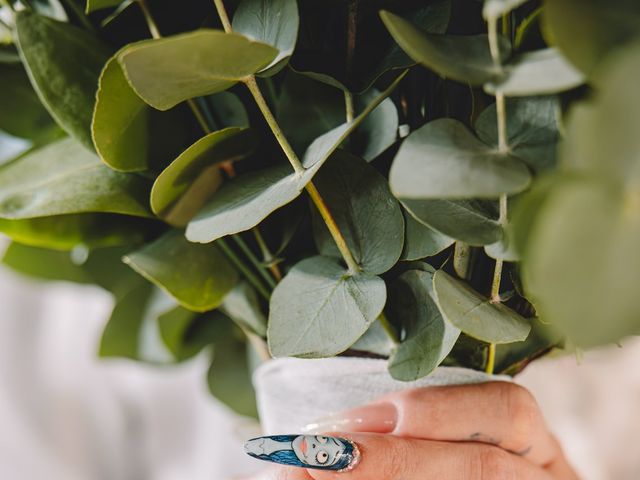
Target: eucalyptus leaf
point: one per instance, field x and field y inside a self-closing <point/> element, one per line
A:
<point x="185" y="185"/>
<point x="63" y="178"/>
<point x="22" y="114"/>
<point x="44" y="264"/>
<point x="470" y="221"/>
<point x="241" y="304"/>
<point x="443" y="159"/>
<point x="302" y="317"/>
<point x="497" y="8"/>
<point x="63" y="63"/>
<point x="465" y="58"/>
<point x="532" y="129"/>
<point x="128" y="135"/>
<point x="475" y="315"/>
<point x="191" y="65"/>
<point x="274" y="22"/>
<point x="542" y="72"/>
<point x="365" y="211"/>
<point x="132" y="330"/>
<point x="229" y="376"/>
<point x="66" y="232"/>
<point x="420" y="240"/>
<point x="375" y="341"/>
<point x="245" y="201"/>
<point x="197" y="276"/>
<point x="428" y="337"/>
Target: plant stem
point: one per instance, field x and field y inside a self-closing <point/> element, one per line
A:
<point x="349" y="108"/>
<point x="491" y="359"/>
<point x="254" y="260"/>
<point x="388" y="328"/>
<point x="316" y="198"/>
<point x="267" y="255"/>
<point x="253" y="87"/>
<point x="250" y="276"/>
<point x="151" y="24"/>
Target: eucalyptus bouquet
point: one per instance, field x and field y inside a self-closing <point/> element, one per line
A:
<point x="330" y="177"/>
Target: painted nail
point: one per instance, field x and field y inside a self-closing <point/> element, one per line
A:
<point x="306" y="451"/>
<point x="378" y="418"/>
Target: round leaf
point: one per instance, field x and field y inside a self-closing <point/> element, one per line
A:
<point x="191" y="65"/>
<point x="320" y="310"/>
<point x="197" y="276"/>
<point x="469" y="221"/>
<point x="365" y="211"/>
<point x="475" y="315"/>
<point x="428" y="337"/>
<point x="63" y="178"/>
<point x="443" y="159"/>
<point x="63" y="63"/>
<point x="421" y="241"/>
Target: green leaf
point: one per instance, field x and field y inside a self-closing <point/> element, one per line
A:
<point x="322" y="147"/>
<point x="132" y="330"/>
<point x="44" y="264"/>
<point x="497" y="8"/>
<point x="321" y="52"/>
<point x="375" y="341"/>
<point x="65" y="232"/>
<point x="93" y="5"/>
<point x="462" y="58"/>
<point x="587" y="31"/>
<point x="128" y="134"/>
<point x="428" y="337"/>
<point x="512" y="358"/>
<point x="63" y="63"/>
<point x="420" y="240"/>
<point x="443" y="159"/>
<point x="22" y="114"/>
<point x="245" y="201"/>
<point x="320" y="310"/>
<point x="532" y="129"/>
<point x="475" y="315"/>
<point x="367" y="214"/>
<point x="63" y="178"/>
<point x="542" y="72"/>
<point x="469" y="221"/>
<point x="229" y="376"/>
<point x="242" y="305"/>
<point x="226" y="111"/>
<point x="191" y="65"/>
<point x="197" y="276"/>
<point x="186" y="333"/>
<point x="186" y="184"/>
<point x="274" y="22"/>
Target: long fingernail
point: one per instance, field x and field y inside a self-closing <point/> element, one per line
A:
<point x="306" y="451"/>
<point x="378" y="418"/>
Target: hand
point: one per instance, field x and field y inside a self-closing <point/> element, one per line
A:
<point x="490" y="431"/>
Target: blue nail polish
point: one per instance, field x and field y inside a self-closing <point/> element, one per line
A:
<point x="306" y="451"/>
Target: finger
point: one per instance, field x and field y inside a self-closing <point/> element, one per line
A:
<point x="280" y="473"/>
<point x="386" y="457"/>
<point x="498" y="413"/>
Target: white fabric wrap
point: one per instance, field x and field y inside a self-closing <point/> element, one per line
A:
<point x="294" y="392"/>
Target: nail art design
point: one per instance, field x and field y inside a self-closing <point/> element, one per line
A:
<point x="306" y="451"/>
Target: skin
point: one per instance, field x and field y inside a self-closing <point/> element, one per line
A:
<point x="490" y="431"/>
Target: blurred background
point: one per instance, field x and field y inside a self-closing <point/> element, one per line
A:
<point x="65" y="414"/>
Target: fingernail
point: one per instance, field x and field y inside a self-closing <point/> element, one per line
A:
<point x="378" y="418"/>
<point x="306" y="451"/>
